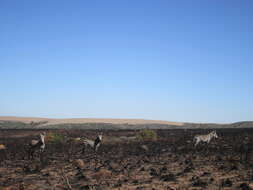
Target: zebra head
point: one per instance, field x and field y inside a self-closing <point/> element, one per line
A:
<point x="214" y="134"/>
<point x="43" y="133"/>
<point x="42" y="136"/>
<point x="100" y="136"/>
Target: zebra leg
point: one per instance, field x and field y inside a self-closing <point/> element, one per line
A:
<point x="197" y="142"/>
<point x="31" y="155"/>
<point x="96" y="147"/>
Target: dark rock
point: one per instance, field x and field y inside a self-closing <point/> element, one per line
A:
<point x="188" y="161"/>
<point x="153" y="172"/>
<point x="197" y="182"/>
<point x="187" y="169"/>
<point x="222" y="167"/>
<point x="119" y="184"/>
<point x="163" y="170"/>
<point x="211" y="180"/>
<point x="226" y="183"/>
<point x="206" y="174"/>
<point x="218" y="158"/>
<point x="245" y="186"/>
<point x="168" y="177"/>
<point x="233" y="167"/>
<point x="140" y="187"/>
<point x="80" y="176"/>
<point x="86" y="187"/>
<point x="79" y="163"/>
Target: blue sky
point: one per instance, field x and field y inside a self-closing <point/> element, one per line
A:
<point x="171" y="60"/>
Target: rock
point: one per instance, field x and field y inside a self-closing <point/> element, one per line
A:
<point x="153" y="172"/>
<point x="188" y="161"/>
<point x="218" y="158"/>
<point x="226" y="183"/>
<point x="197" y="182"/>
<point x="211" y="180"/>
<point x="86" y="187"/>
<point x="168" y="177"/>
<point x="187" y="169"/>
<point x="79" y="163"/>
<point x="233" y="167"/>
<point x="2" y="147"/>
<point x="206" y="174"/>
<point x="141" y="188"/>
<point x="163" y="170"/>
<point x="118" y="184"/>
<point x="222" y="167"/>
<point x="245" y="186"/>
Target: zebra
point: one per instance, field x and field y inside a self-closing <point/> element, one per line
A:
<point x="205" y="138"/>
<point x="93" y="144"/>
<point x="37" y="145"/>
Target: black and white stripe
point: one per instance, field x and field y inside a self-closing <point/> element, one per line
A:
<point x="37" y="145"/>
<point x="93" y="144"/>
<point x="205" y="138"/>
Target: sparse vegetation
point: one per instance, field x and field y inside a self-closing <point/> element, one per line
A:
<point x="55" y="138"/>
<point x="170" y="162"/>
<point x="147" y="135"/>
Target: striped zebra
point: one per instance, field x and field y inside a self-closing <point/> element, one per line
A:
<point x="205" y="138"/>
<point x="93" y="144"/>
<point x="37" y="145"/>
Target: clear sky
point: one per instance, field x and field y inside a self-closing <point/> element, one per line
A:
<point x="181" y="60"/>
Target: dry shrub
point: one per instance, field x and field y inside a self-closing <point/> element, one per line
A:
<point x="54" y="138"/>
<point x="147" y="135"/>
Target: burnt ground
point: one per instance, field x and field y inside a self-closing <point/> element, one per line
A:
<point x="170" y="162"/>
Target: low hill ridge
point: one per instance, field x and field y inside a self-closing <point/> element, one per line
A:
<point x="10" y="122"/>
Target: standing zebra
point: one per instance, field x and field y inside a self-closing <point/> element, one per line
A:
<point x="205" y="138"/>
<point x="37" y="145"/>
<point x="93" y="144"/>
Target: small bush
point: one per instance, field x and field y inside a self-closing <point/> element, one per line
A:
<point x="55" y="138"/>
<point x="146" y="135"/>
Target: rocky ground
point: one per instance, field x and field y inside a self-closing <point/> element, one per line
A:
<point x="170" y="162"/>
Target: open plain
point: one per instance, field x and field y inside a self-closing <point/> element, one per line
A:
<point x="168" y="162"/>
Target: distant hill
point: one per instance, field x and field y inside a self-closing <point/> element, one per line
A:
<point x="93" y="123"/>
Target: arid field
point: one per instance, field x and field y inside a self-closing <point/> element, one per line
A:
<point x="166" y="160"/>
